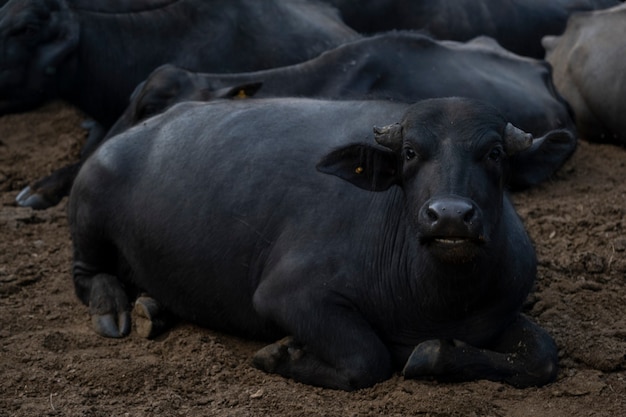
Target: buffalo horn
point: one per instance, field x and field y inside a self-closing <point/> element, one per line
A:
<point x="516" y="140"/>
<point x="389" y="136"/>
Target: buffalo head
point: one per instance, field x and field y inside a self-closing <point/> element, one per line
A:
<point x="452" y="158"/>
<point x="36" y="37"/>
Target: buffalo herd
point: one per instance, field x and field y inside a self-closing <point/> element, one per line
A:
<point x="331" y="177"/>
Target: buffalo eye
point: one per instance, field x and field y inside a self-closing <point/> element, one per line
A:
<point x="496" y="154"/>
<point x="409" y="153"/>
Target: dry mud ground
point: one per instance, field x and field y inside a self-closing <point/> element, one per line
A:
<point x="53" y="364"/>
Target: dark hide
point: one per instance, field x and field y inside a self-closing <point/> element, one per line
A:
<point x="93" y="53"/>
<point x="518" y="25"/>
<point x="284" y="217"/>
<point x="397" y="66"/>
<point x="401" y="66"/>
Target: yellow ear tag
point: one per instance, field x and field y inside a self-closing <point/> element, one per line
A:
<point x="359" y="170"/>
<point x="241" y="94"/>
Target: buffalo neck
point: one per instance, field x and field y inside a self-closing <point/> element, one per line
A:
<point x="428" y="296"/>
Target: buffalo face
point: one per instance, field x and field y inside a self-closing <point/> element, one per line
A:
<point x="36" y="37"/>
<point x="451" y="158"/>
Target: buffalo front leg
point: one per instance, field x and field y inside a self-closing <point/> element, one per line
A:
<point x="331" y="343"/>
<point x="291" y="359"/>
<point x="525" y="355"/>
<point x="49" y="191"/>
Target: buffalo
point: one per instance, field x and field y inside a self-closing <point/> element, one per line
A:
<point x="288" y="218"/>
<point x="518" y="25"/>
<point x="588" y="61"/>
<point x="93" y="53"/>
<point x="403" y="67"/>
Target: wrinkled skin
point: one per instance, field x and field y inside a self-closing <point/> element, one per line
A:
<point x="588" y="61"/>
<point x="285" y="217"/>
<point x="368" y="68"/>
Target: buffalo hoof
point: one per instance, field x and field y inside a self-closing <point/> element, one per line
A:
<point x="33" y="199"/>
<point x="428" y="358"/>
<point x="150" y="319"/>
<point x="110" y="325"/>
<point x="272" y="357"/>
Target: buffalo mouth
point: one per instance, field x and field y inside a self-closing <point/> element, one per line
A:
<point x="456" y="240"/>
<point x="454" y="249"/>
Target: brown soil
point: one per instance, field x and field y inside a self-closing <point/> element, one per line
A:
<point x="53" y="364"/>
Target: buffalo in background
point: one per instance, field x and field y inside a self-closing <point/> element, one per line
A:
<point x="590" y="72"/>
<point x="94" y="53"/>
<point x="518" y="25"/>
<point x="398" y="66"/>
<point x="287" y="217"/>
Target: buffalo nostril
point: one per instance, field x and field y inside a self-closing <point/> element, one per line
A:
<point x="469" y="215"/>
<point x="432" y="215"/>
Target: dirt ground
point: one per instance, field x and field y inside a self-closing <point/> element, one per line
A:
<point x="53" y="364"/>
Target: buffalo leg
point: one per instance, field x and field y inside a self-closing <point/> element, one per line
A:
<point x="106" y="297"/>
<point x="109" y="306"/>
<point x="331" y="346"/>
<point x="49" y="191"/>
<point x="525" y="355"/>
<point x="150" y="318"/>
<point x="363" y="366"/>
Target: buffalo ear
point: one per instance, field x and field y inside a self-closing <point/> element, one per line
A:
<point x="136" y="91"/>
<point x="544" y="157"/>
<point x="238" y="91"/>
<point x="67" y="31"/>
<point x="366" y="166"/>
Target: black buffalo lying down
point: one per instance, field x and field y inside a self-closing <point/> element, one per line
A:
<point x="518" y="25"/>
<point x="92" y="53"/>
<point x="399" y="66"/>
<point x="283" y="217"/>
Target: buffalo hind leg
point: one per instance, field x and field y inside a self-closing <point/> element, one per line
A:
<point x="150" y="318"/>
<point x="107" y="300"/>
<point x="109" y="307"/>
<point x="525" y="355"/>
